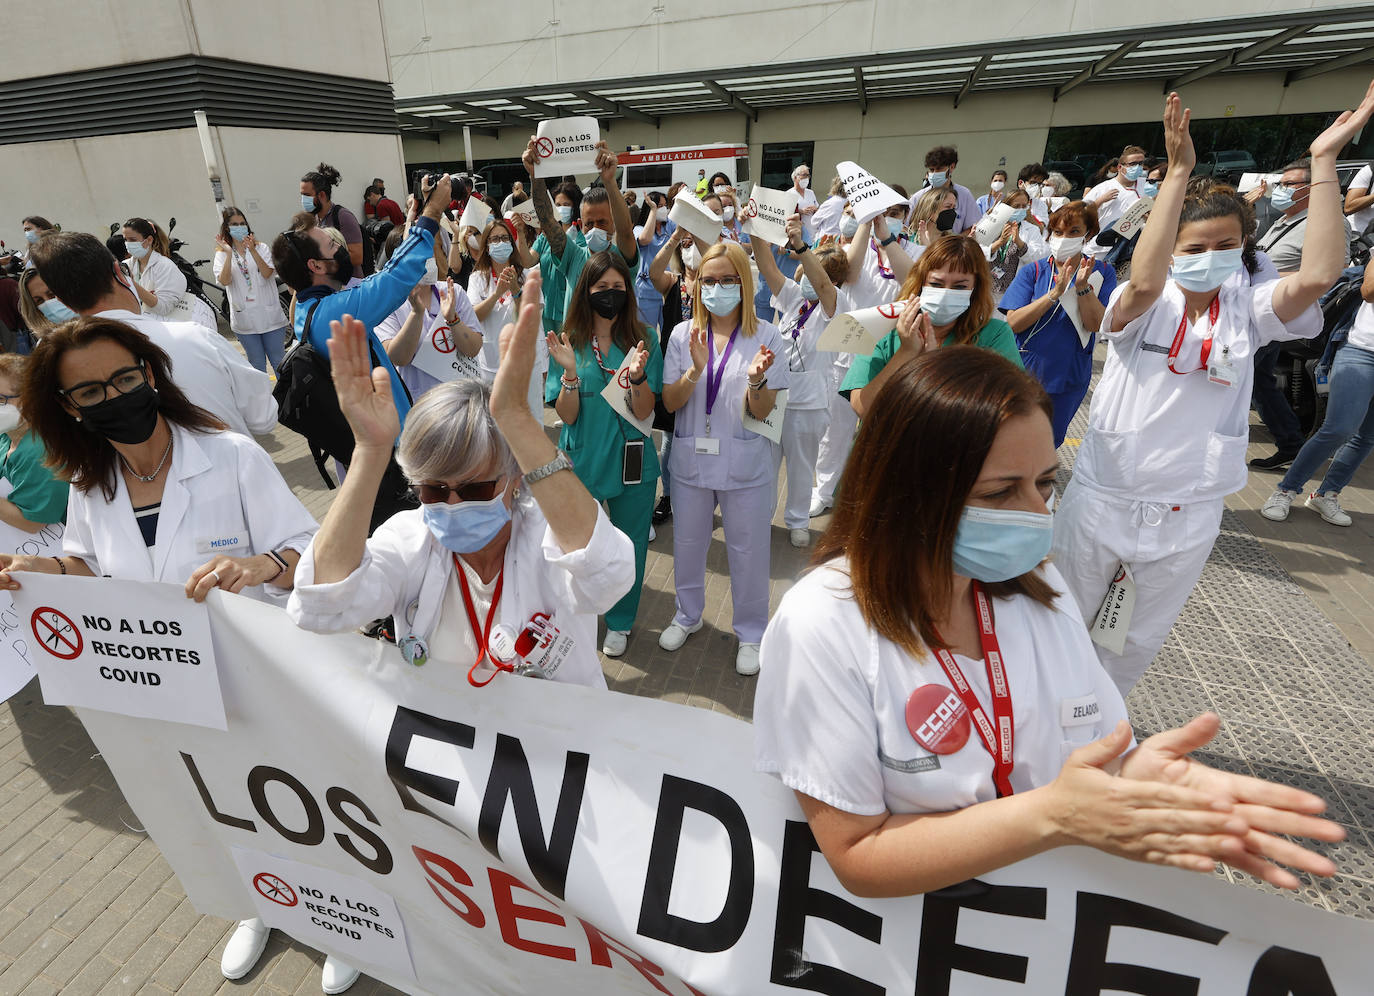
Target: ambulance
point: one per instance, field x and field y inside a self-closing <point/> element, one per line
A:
<point x="646" y="170"/>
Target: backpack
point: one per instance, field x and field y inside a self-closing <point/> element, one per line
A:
<point x="308" y="405"/>
<point x="369" y="249"/>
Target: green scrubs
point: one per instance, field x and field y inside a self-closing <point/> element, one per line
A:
<point x="39" y="495"/>
<point x="996" y="335"/>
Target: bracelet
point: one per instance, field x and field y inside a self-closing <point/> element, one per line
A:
<point x="642" y="378"/>
<point x="796" y="251"/>
<point x="280" y="561"/>
<point x="60" y="566"/>
<point x="759" y="386"/>
<point x="690" y="378"/>
<point x="1317" y="182"/>
<point x="560" y="462"/>
<point x="1084" y="292"/>
<point x="570" y="385"/>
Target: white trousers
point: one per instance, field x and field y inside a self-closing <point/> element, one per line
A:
<point x="1165" y="547"/>
<point x="801" y="445"/>
<point x="835" y="444"/>
<point x="747" y="514"/>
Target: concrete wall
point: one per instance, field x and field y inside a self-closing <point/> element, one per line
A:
<point x="892" y="138"/>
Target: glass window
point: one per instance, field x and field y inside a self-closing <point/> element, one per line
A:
<point x="780" y="159"/>
<point x="656" y="176"/>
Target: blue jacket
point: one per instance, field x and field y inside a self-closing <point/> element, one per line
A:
<point x="372" y="301"/>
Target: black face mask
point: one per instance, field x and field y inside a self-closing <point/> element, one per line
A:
<point x="343" y="265"/>
<point x="944" y="221"/>
<point x="126" y="418"/>
<point x="608" y="303"/>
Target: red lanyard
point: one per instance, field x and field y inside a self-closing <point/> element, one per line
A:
<point x="1213" y="311"/>
<point x="482" y="634"/>
<point x="600" y="361"/>
<point x="998" y="733"/>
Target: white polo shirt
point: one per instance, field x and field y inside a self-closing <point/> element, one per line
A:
<point x="830" y="711"/>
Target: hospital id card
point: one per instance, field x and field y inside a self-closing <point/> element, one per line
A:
<point x="1113" y="620"/>
<point x="1222" y="372"/>
<point x="707" y="446"/>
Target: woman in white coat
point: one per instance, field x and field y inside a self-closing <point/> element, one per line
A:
<point x="508" y="560"/>
<point x="159" y="282"/>
<point x="160" y="491"/>
<point x="931" y="697"/>
<point x="243" y="267"/>
<point x="1168" y="425"/>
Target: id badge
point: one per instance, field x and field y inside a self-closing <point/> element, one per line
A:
<point x="1113" y="619"/>
<point x="707" y="446"/>
<point x="1223" y="372"/>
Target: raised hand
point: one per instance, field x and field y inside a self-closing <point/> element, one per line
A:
<point x="759" y="365"/>
<point x="1085" y="270"/>
<point x="793" y="228"/>
<point x="448" y="302"/>
<point x="1110" y="195"/>
<point x="530" y="157"/>
<point x="696" y="345"/>
<point x="1178" y="143"/>
<point x="364" y="393"/>
<point x="507" y="280"/>
<point x="606" y="163"/>
<point x="562" y="352"/>
<point x="510" y="389"/>
<point x="639" y="359"/>
<point x="1329" y="143"/>
<point x="1062" y="278"/>
<point x="914" y="331"/>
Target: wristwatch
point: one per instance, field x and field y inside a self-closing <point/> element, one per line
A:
<point x="1084" y="292"/>
<point x="560" y="462"/>
<point x="888" y="241"/>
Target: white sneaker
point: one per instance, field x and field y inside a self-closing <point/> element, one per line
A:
<point x="244" y="948"/>
<point x="1328" y="506"/>
<point x="1277" y="506"/>
<point x="819" y="506"/>
<point x="616" y="639"/>
<point x="653" y="533"/>
<point x="747" y="659"/>
<point x="337" y="976"/>
<point x="676" y="635"/>
<point x="799" y="537"/>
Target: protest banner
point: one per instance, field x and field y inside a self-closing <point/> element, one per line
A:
<point x="868" y="196"/>
<point x="989" y="227"/>
<point x="525" y="211"/>
<point x="16" y="639"/>
<point x="614" y="395"/>
<point x="131" y="647"/>
<point x="766" y="214"/>
<point x="770" y="427"/>
<point x="701" y="222"/>
<point x="476" y="214"/>
<point x="1133" y="218"/>
<point x="566" y="146"/>
<point x="859" y="331"/>
<point x="543" y="837"/>
<point x="437" y="354"/>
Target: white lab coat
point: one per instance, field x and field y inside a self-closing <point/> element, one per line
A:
<point x="405" y="570"/>
<point x="210" y="372"/>
<point x="174" y="302"/>
<point x="830" y="711"/>
<point x="223" y="494"/>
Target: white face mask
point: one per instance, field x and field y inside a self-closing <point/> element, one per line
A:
<point x="474" y="243"/>
<point x="1033" y="190"/>
<point x="997" y="186"/>
<point x="727" y="212"/>
<point x="9" y="417"/>
<point x="803" y="182"/>
<point x="691" y="256"/>
<point x="722" y="189"/>
<point x="1064" y="247"/>
<point x="661" y="214"/>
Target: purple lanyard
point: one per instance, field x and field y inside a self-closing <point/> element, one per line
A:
<point x="713" y="377"/>
<point x="805" y="313"/>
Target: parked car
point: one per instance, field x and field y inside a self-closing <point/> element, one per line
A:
<point x="1226" y="165"/>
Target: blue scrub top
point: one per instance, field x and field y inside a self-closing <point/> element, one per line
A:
<point x="1050" y="347"/>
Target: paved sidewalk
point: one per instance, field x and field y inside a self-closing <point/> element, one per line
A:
<point x="88" y="905"/>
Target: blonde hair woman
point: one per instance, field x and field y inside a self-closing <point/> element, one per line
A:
<point x="718" y="368"/>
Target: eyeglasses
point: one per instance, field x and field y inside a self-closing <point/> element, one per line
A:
<point x="90" y="393"/>
<point x="8" y="399"/>
<point x="433" y="494"/>
<point x="723" y="281"/>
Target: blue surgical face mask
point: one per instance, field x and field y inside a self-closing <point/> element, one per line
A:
<point x="998" y="544"/>
<point x="466" y="526"/>
<point x="500" y="251"/>
<point x="1148" y="189"/>
<point x="1133" y="172"/>
<point x="945" y="304"/>
<point x="721" y="299"/>
<point x="308" y="202"/>
<point x="807" y="290"/>
<point x="1204" y="271"/>
<point x="135" y="249"/>
<point x="597" y="240"/>
<point x="564" y="212"/>
<point x="938" y="179"/>
<point x="849" y="226"/>
<point x="57" y="312"/>
<point x="31" y="235"/>
<point x="1018" y="215"/>
<point x="238" y="232"/>
<point x="1281" y="199"/>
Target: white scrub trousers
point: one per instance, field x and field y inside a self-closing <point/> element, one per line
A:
<point x="801" y="445"/>
<point x="1165" y="546"/>
<point x="835" y="443"/>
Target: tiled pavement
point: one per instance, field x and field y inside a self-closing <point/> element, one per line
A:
<point x="88" y="905"/>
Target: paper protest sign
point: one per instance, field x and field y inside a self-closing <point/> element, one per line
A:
<point x="868" y="195"/>
<point x="989" y="227"/>
<point x="313" y="904"/>
<point x="437" y="355"/>
<point x="16" y="640"/>
<point x="701" y="222"/>
<point x="1249" y="181"/>
<point x="476" y="214"/>
<point x="1113" y="619"/>
<point x="859" y="331"/>
<point x="155" y="662"/>
<point x="766" y="214"/>
<point x="525" y="210"/>
<point x="1133" y="218"/>
<point x="1069" y="302"/>
<point x="772" y="425"/>
<point x="614" y="395"/>
<point x="566" y="146"/>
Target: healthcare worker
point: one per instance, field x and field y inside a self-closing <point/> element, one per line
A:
<point x="719" y="367"/>
<point x="159" y="282"/>
<point x="613" y="457"/>
<point x="930" y="665"/>
<point x="36" y="497"/>
<point x="508" y="560"/>
<point x="806" y="306"/>
<point x="948" y="296"/>
<point x="1055" y="312"/>
<point x="156" y="484"/>
<point x="1169" y="420"/>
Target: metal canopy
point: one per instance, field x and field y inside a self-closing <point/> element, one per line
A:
<point x="1301" y="44"/>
